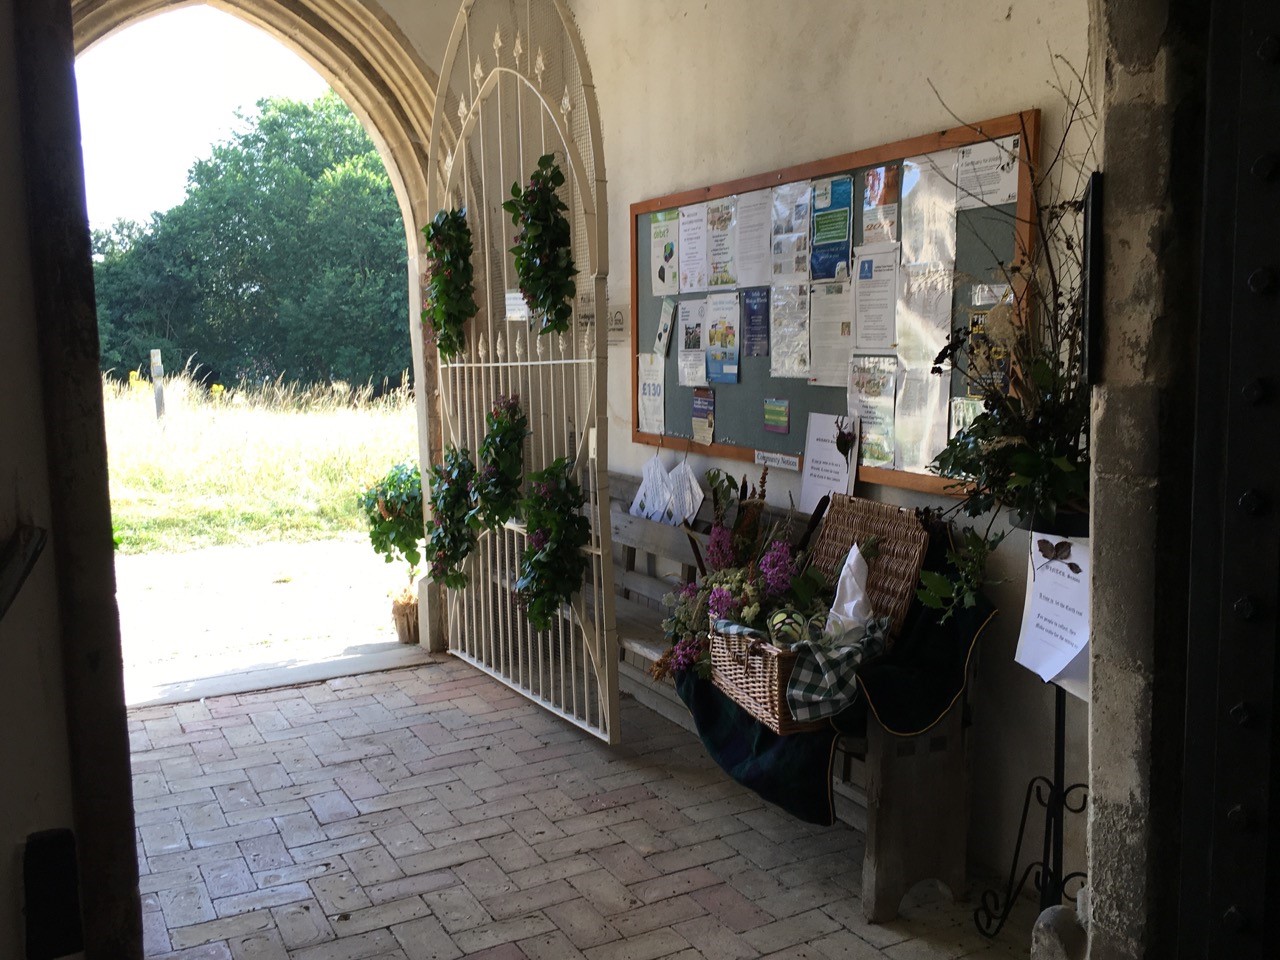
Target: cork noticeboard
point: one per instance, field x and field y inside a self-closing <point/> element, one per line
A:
<point x="986" y="237"/>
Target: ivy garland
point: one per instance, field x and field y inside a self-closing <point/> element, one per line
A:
<point x="450" y="296"/>
<point x="553" y="564"/>
<point x="451" y="535"/>
<point x="543" y="257"/>
<point x="496" y="488"/>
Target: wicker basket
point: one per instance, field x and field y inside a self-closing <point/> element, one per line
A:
<point x="755" y="673"/>
<point x="894" y="570"/>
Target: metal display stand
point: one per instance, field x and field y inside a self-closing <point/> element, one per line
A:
<point x="1056" y="798"/>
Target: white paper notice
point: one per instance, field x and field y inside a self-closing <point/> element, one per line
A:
<point x="692" y="331"/>
<point x="652" y="391"/>
<point x="920" y="419"/>
<point x="755" y="231"/>
<point x="825" y="468"/>
<point x="928" y="211"/>
<point x="789" y="330"/>
<point x="693" y="248"/>
<point x="666" y="320"/>
<point x="1055" y="620"/>
<point x="790" y="251"/>
<point x="923" y="313"/>
<point x="722" y="242"/>
<point x="653" y="500"/>
<point x="686" y="493"/>
<point x="830" y="333"/>
<point x="875" y="286"/>
<point x="871" y="398"/>
<point x="664" y="252"/>
<point x="988" y="174"/>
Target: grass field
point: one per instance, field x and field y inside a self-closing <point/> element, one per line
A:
<point x="249" y="465"/>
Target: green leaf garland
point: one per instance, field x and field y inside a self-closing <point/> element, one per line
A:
<point x="451" y="535"/>
<point x="553" y="564"/>
<point x="543" y="252"/>
<point x="496" y="488"/>
<point x="450" y="294"/>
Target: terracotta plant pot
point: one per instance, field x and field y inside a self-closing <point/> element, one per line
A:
<point x="405" y="615"/>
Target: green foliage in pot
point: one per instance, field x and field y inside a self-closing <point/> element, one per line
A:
<point x="450" y="535"/>
<point x="542" y="251"/>
<point x="553" y="564"/>
<point x="450" y="292"/>
<point x="496" y="488"/>
<point x="393" y="509"/>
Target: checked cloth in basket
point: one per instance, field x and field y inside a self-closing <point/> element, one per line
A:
<point x="824" y="679"/>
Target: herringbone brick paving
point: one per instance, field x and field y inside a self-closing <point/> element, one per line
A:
<point x="433" y="814"/>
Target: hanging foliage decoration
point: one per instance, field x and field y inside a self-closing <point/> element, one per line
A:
<point x="450" y="293"/>
<point x="496" y="488"/>
<point x="543" y="254"/>
<point x="553" y="564"/>
<point x="450" y="534"/>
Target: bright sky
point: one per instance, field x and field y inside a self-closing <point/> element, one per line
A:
<point x="154" y="96"/>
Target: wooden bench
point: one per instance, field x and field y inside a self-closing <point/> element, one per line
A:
<point x="908" y="795"/>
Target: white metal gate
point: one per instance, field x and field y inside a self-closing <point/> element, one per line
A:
<point x="515" y="85"/>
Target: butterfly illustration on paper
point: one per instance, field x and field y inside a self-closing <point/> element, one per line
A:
<point x="1059" y="552"/>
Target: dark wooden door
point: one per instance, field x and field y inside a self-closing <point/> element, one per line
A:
<point x="1230" y="849"/>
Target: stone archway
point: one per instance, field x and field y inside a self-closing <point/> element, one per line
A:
<point x="361" y="52"/>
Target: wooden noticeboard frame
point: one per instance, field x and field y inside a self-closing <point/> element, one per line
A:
<point x="1025" y="123"/>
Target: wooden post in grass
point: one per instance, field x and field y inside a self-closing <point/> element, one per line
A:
<point x="157" y="382"/>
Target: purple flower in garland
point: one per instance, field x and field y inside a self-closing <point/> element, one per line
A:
<point x="689" y="591"/>
<point x="506" y="406"/>
<point x="720" y="548"/>
<point x="721" y="604"/>
<point x="777" y="567"/>
<point x="538" y="539"/>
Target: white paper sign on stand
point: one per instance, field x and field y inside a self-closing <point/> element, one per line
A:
<point x="1054" y="640"/>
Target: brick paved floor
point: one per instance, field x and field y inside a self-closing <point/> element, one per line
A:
<point x="432" y="813"/>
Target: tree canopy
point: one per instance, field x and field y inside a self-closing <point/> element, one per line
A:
<point x="286" y="257"/>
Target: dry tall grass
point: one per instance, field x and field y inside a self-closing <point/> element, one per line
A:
<point x="249" y="464"/>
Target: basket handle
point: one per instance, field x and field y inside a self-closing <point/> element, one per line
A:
<point x="753" y="650"/>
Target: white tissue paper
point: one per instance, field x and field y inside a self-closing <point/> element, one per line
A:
<point x="851" y="610"/>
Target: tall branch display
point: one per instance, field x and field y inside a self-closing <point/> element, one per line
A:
<point x="542" y="252"/>
<point x="450" y="294"/>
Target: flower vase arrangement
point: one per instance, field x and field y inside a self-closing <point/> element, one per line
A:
<point x="452" y="533"/>
<point x="1027" y="452"/>
<point x="752" y="576"/>
<point x="543" y="252"/>
<point x="496" y="485"/>
<point x="553" y="564"/>
<point x="449" y="286"/>
<point x="393" y="511"/>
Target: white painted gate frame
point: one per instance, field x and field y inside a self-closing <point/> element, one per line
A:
<point x="571" y="669"/>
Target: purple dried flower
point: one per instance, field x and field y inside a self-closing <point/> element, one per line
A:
<point x="689" y="591"/>
<point x="538" y="539"/>
<point x="777" y="567"/>
<point x="721" y="604"/>
<point x="686" y="653"/>
<point x="720" y="548"/>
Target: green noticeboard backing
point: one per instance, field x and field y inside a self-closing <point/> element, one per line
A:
<point x="986" y="239"/>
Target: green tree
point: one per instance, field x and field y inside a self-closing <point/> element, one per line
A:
<point x="287" y="256"/>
